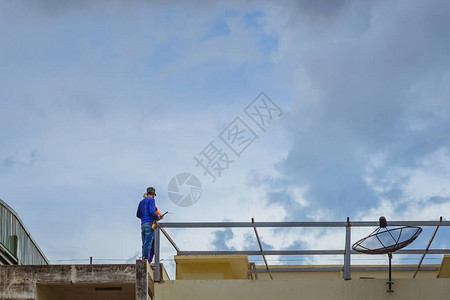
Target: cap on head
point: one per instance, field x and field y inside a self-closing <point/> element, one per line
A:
<point x="151" y="191"/>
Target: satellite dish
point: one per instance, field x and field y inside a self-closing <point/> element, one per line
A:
<point x="386" y="240"/>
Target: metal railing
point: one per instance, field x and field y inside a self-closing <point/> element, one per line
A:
<point x="346" y="252"/>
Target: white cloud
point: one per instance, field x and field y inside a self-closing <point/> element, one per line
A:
<point x="431" y="178"/>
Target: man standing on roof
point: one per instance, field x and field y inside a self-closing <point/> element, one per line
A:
<point x="147" y="213"/>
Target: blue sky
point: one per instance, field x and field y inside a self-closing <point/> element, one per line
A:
<point x="99" y="100"/>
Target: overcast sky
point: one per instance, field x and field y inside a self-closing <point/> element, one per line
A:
<point x="101" y="99"/>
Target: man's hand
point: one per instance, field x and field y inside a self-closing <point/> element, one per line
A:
<point x="161" y="217"/>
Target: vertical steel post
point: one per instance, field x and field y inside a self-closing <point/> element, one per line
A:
<point x="157" y="274"/>
<point x="347" y="255"/>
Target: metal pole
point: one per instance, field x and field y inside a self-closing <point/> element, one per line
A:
<point x="390" y="273"/>
<point x="170" y="239"/>
<point x="157" y="273"/>
<point x="297" y="224"/>
<point x="307" y="252"/>
<point x="260" y="247"/>
<point x="347" y="255"/>
<point x="426" y="250"/>
<point x="272" y="252"/>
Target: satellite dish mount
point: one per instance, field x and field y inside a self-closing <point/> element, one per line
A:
<point x="386" y="240"/>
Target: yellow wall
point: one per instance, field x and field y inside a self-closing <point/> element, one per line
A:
<point x="310" y="289"/>
<point x="355" y="274"/>
<point x="211" y="266"/>
<point x="444" y="271"/>
<point x="197" y="267"/>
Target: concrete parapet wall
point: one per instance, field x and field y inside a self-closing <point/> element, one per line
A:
<point x="133" y="282"/>
<point x="308" y="289"/>
<point x="21" y="282"/>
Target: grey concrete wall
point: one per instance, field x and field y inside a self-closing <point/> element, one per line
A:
<point x="20" y="282"/>
<point x="144" y="280"/>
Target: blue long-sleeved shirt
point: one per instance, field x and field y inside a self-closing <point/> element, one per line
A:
<point x="147" y="210"/>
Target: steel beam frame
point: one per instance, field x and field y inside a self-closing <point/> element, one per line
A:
<point x="347" y="252"/>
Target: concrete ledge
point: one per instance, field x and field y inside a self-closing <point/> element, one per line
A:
<point x="320" y="289"/>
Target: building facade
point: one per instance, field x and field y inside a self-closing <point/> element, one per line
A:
<point x="17" y="247"/>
